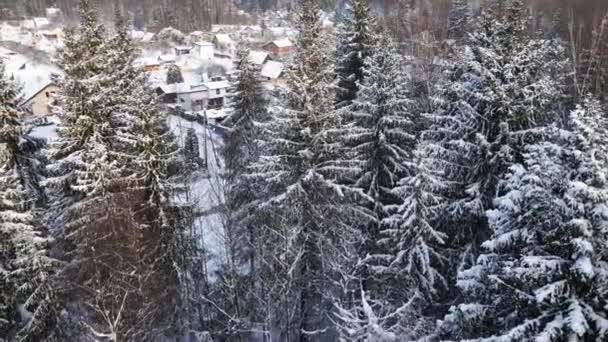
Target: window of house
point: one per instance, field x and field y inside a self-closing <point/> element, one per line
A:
<point x="218" y="91"/>
<point x="47" y="94"/>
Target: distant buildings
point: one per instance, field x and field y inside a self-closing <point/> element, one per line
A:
<point x="224" y="45"/>
<point x="273" y="72"/>
<point x="258" y="57"/>
<point x="204" y="50"/>
<point x="38" y="89"/>
<point x="279" y="48"/>
<point x="41" y="101"/>
<point x="196" y="97"/>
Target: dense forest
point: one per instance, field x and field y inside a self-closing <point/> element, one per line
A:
<point x="418" y="177"/>
<point x="191" y="15"/>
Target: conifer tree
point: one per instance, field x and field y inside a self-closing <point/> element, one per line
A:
<point x="147" y="152"/>
<point x="378" y="140"/>
<point x="192" y="150"/>
<point x="459" y="19"/>
<point x="174" y="74"/>
<point x="244" y="143"/>
<point x="543" y="275"/>
<point x="355" y="42"/>
<point x="90" y="210"/>
<point x="27" y="303"/>
<point x="488" y="112"/>
<point x="307" y="232"/>
<point x="243" y="147"/>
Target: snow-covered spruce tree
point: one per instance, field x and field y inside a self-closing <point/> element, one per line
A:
<point x="459" y="19"/>
<point x="307" y="234"/>
<point x="90" y="211"/>
<point x="174" y="74"/>
<point x="544" y="272"/>
<point x="78" y="60"/>
<point x="378" y="139"/>
<point x="355" y="41"/>
<point x="27" y="302"/>
<point x="494" y="96"/>
<point x="414" y="264"/>
<point x="148" y="152"/>
<point x="243" y="145"/>
<point x="192" y="150"/>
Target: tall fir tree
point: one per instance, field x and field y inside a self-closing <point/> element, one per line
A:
<point x="459" y="19"/>
<point x="90" y="210"/>
<point x="487" y="112"/>
<point x="378" y="137"/>
<point x="243" y="147"/>
<point x="148" y="153"/>
<point x="28" y="306"/>
<point x="356" y="39"/>
<point x="543" y="275"/>
<point x="307" y="231"/>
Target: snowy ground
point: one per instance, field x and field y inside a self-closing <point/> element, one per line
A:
<point x="47" y="132"/>
<point x="206" y="191"/>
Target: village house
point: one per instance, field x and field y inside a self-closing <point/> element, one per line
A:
<point x="204" y="50"/>
<point x="182" y="50"/>
<point x="41" y="101"/>
<point x="224" y="45"/>
<point x="279" y="48"/>
<point x="258" y="57"/>
<point x="272" y="72"/>
<point x="196" y="97"/>
<point x="167" y="59"/>
<point x="36" y="81"/>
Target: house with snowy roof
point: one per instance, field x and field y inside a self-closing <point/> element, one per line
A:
<point x="273" y="72"/>
<point x="36" y="80"/>
<point x="40" y="101"/>
<point x="196" y="97"/>
<point x="182" y="50"/>
<point x="224" y="45"/>
<point x="280" y="47"/>
<point x="258" y="57"/>
<point x="204" y="50"/>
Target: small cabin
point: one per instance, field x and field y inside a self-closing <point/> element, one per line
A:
<point x="42" y="100"/>
<point x="273" y="72"/>
<point x="196" y="97"/>
<point x="279" y="47"/>
<point x="182" y="50"/>
<point x="204" y="50"/>
<point x="258" y="57"/>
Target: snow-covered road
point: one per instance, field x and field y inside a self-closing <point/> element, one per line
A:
<point x="206" y="192"/>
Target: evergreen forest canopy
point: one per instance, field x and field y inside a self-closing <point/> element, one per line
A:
<point x="441" y="187"/>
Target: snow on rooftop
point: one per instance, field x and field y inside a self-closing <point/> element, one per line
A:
<point x="272" y="69"/>
<point x="142" y="36"/>
<point x="258" y="57"/>
<point x="283" y="43"/>
<point x="35" y="23"/>
<point x="214" y="85"/>
<point x="223" y="38"/>
<point x="31" y="76"/>
<point x="166" y="58"/>
<point x="5" y="53"/>
<point x="183" y="88"/>
<point x="203" y="43"/>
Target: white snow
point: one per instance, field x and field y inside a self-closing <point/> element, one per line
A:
<point x="206" y="192"/>
<point x="272" y="69"/>
<point x="283" y="43"/>
<point x="257" y="57"/>
<point x="31" y="76"/>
